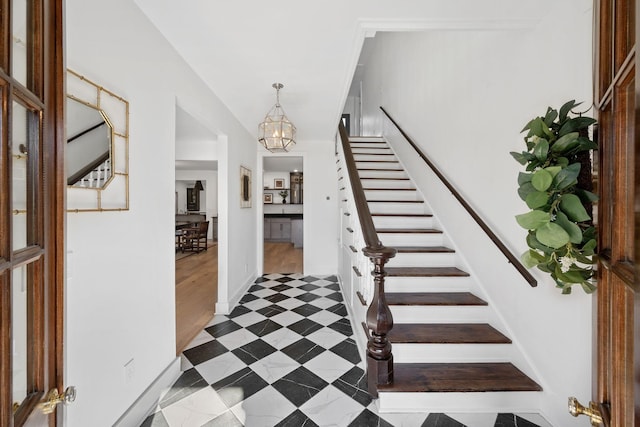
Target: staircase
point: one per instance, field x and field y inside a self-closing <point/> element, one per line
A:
<point x="446" y="339"/>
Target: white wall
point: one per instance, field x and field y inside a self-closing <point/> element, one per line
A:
<point x="120" y="302"/>
<point x="464" y="97"/>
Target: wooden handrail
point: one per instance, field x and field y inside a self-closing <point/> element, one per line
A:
<point x="494" y="238"/>
<point x="379" y="318"/>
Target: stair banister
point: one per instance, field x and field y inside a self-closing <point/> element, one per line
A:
<point x="379" y="318"/>
<point x="513" y="259"/>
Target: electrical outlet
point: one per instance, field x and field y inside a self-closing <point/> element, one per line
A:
<point x="129" y="370"/>
<point x="246" y="268"/>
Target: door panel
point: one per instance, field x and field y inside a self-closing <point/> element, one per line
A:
<point x="616" y="323"/>
<point x="31" y="208"/>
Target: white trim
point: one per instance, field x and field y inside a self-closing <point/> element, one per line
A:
<point x="225" y="307"/>
<point x="148" y="400"/>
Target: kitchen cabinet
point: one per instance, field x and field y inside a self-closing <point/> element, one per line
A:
<point x="287" y="228"/>
<point x="281" y="229"/>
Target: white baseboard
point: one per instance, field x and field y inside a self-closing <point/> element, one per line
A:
<point x="225" y="307"/>
<point x="148" y="400"/>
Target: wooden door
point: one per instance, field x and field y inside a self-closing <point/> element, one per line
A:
<point x="617" y="91"/>
<point x="32" y="211"/>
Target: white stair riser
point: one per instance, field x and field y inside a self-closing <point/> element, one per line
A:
<point x="396" y="208"/>
<point x="428" y="284"/>
<point x="421" y="259"/>
<point x="504" y="402"/>
<point x="411" y="239"/>
<point x="403" y="222"/>
<point x="382" y="174"/>
<point x="377" y="165"/>
<point x="451" y="353"/>
<point x="392" y="195"/>
<point x="382" y="183"/>
<point x="371" y="142"/>
<point x="439" y="314"/>
<point x="378" y="157"/>
<point x="371" y="150"/>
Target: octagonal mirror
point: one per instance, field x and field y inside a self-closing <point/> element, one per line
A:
<point x="97" y="149"/>
<point x="89" y="136"/>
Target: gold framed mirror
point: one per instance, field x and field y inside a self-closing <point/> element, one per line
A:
<point x="97" y="151"/>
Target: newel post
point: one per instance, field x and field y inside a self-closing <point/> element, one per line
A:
<point x="379" y="322"/>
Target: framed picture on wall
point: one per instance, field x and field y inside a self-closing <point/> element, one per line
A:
<point x="245" y="187"/>
<point x="268" y="198"/>
<point x="193" y="199"/>
<point x="278" y="183"/>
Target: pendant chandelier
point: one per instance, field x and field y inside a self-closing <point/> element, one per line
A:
<point x="276" y="132"/>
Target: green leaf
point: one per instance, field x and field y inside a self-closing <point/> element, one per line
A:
<point x="541" y="150"/>
<point x="529" y="260"/>
<point x="563" y="162"/>
<point x="550" y="116"/>
<point x="570" y="276"/>
<point x="524" y="190"/>
<point x="535" y="244"/>
<point x="527" y="126"/>
<point x="575" y="124"/>
<point x="567" y="177"/>
<point x="541" y="180"/>
<point x="566" y="108"/>
<point x="553" y="170"/>
<point x="538" y="199"/>
<point x="572" y="206"/>
<point x="520" y="157"/>
<point x="583" y="259"/>
<point x="586" y="196"/>
<point x="588" y="287"/>
<point x="533" y="220"/>
<point x="572" y="229"/>
<point x="565" y="142"/>
<point x="524" y="177"/>
<point x="552" y="235"/>
<point x="537" y="127"/>
<point x="589" y="247"/>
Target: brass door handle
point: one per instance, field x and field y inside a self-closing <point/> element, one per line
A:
<point x="53" y="398"/>
<point x="575" y="409"/>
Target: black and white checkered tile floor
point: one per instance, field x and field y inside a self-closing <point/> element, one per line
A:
<point x="286" y="356"/>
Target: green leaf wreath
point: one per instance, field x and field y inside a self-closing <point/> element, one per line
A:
<point x="562" y="239"/>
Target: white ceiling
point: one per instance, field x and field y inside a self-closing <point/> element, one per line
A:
<point x="239" y="48"/>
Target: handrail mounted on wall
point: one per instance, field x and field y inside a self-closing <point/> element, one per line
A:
<point x="513" y="259"/>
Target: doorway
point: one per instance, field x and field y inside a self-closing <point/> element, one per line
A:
<point x="283" y="214"/>
<point x="196" y="219"/>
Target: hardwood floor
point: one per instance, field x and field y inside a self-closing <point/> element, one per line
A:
<point x="196" y="294"/>
<point x="282" y="258"/>
<point x="197" y="285"/>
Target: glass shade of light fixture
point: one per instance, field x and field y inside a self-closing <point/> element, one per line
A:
<point x="198" y="186"/>
<point x="276" y="132"/>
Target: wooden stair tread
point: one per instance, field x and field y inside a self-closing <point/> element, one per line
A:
<point x="446" y="333"/>
<point x="409" y="230"/>
<point x="458" y="377"/>
<point x="422" y="249"/>
<point x="433" y="298"/>
<point x="425" y="272"/>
